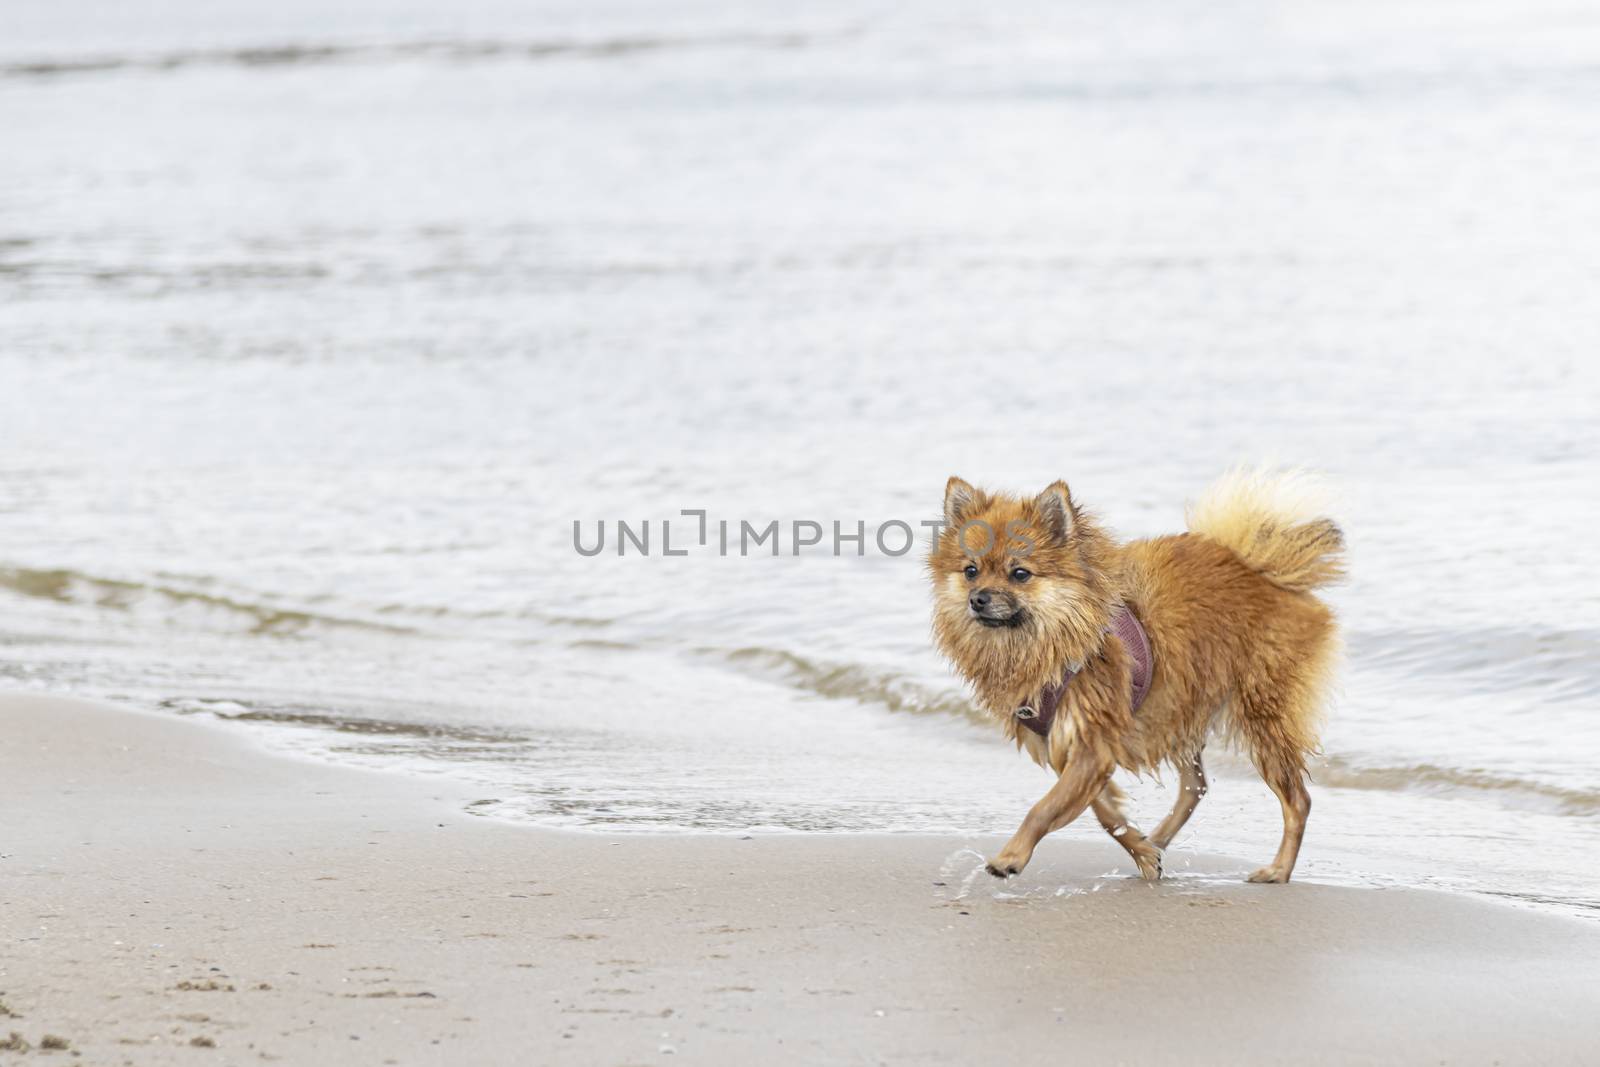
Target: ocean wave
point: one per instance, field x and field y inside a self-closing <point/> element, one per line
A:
<point x="252" y="613"/>
<point x="115" y="594"/>
<point x="1548" y="655"/>
<point x="1344" y="773"/>
<point x="1560" y="663"/>
<point x="846" y="681"/>
<point x="457" y="51"/>
<point x="898" y="693"/>
<point x="155" y="279"/>
<point x="342" y="723"/>
<point x="373" y="735"/>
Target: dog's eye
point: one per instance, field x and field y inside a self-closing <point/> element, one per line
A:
<point x="1020" y="574"/>
<point x="971" y="572"/>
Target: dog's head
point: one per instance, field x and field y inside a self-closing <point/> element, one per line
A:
<point x="1009" y="569"/>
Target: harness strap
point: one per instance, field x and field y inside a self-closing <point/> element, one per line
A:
<point x="1124" y="627"/>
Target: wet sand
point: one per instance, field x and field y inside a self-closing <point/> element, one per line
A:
<point x="171" y="894"/>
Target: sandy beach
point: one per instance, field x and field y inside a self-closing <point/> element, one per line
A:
<point x="170" y="894"/>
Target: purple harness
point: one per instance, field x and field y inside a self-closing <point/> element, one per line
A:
<point x="1125" y="628"/>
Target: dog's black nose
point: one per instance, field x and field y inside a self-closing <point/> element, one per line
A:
<point x="979" y="600"/>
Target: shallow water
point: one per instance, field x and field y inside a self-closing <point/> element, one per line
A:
<point x="318" y="331"/>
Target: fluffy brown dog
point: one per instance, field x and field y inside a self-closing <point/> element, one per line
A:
<point x="1026" y="591"/>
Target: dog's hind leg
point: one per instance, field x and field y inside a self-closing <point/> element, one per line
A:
<point x="1108" y="809"/>
<point x="1280" y="758"/>
<point x="1277" y="724"/>
<point x="1289" y="783"/>
<point x="1276" y="709"/>
<point x="1191" y="787"/>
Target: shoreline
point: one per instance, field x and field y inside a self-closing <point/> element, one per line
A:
<point x="1354" y="869"/>
<point x="169" y="890"/>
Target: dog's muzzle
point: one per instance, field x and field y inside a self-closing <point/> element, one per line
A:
<point x="995" y="608"/>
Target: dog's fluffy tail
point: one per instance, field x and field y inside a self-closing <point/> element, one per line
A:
<point x="1276" y="522"/>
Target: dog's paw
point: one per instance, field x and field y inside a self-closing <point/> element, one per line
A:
<point x="1009" y="863"/>
<point x="1010" y="860"/>
<point x="1149" y="866"/>
<point x="1270" y="875"/>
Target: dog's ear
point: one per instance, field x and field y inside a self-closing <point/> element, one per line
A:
<point x="1056" y="512"/>
<point x="960" y="500"/>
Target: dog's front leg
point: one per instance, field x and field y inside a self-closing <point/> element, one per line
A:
<point x="1080" y="782"/>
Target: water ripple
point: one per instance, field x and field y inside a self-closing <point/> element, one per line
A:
<point x="459" y="51"/>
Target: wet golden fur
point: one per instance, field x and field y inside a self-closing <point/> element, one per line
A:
<point x="1241" y="647"/>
